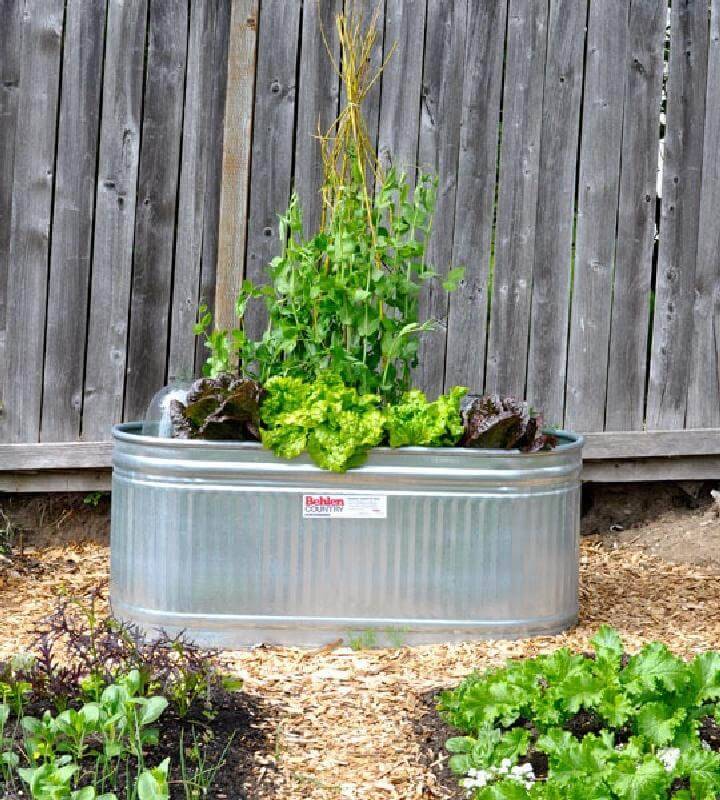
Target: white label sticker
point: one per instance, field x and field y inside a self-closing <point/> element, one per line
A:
<point x="345" y="506"/>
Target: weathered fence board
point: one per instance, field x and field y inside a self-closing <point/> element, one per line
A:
<point x="72" y="224"/>
<point x="33" y="176"/>
<point x="475" y="195"/>
<point x="545" y="139"/>
<point x="629" y="449"/>
<point x="552" y="266"/>
<point x="272" y="146"/>
<point x="627" y="356"/>
<point x="402" y="84"/>
<point x="438" y="152"/>
<point x="317" y="102"/>
<point x="214" y="108"/>
<point x="10" y="44"/>
<point x="517" y="196"/>
<point x="114" y="217"/>
<point x="680" y="218"/>
<point x="196" y="143"/>
<point x="703" y="400"/>
<point x="156" y="206"/>
<point x="236" y="160"/>
<point x="605" y="75"/>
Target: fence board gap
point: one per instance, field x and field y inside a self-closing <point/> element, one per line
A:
<point x="627" y="365"/>
<point x="680" y="216"/>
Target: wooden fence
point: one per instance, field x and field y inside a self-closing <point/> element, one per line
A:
<point x="147" y="147"/>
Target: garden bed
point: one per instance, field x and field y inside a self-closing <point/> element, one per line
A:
<point x="356" y="724"/>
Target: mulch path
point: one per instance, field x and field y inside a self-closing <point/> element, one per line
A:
<point x="337" y="723"/>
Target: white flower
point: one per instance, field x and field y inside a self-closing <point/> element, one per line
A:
<point x="504" y="767"/>
<point x="669" y="757"/>
<point x="705" y="745"/>
<point x="478" y="779"/>
<point x="523" y="773"/>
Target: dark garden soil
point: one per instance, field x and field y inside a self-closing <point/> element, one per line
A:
<point x="234" y="740"/>
<point x="245" y="722"/>
<point x="679" y="522"/>
<point x="432" y="733"/>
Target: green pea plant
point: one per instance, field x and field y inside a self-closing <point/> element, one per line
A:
<point x="346" y="298"/>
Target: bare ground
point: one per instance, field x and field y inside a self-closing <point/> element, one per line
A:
<point x="677" y="522"/>
<point x="351" y="724"/>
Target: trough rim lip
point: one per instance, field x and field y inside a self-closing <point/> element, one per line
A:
<point x="128" y="432"/>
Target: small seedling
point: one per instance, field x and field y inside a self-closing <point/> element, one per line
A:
<point x="7" y="534"/>
<point x="93" y="499"/>
<point x="396" y="636"/>
<point x="363" y="640"/>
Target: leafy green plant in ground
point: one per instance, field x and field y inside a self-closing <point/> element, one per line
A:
<point x="57" y="748"/>
<point x="606" y="726"/>
<point x="80" y="719"/>
<point x="81" y="651"/>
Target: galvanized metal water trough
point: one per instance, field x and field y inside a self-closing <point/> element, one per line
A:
<point x="235" y="546"/>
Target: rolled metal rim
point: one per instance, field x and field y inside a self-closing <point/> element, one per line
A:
<point x="131" y="432"/>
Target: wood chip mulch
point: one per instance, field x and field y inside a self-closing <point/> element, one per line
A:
<point x="349" y="724"/>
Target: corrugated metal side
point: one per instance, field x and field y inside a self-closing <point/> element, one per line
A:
<point x="212" y="539"/>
